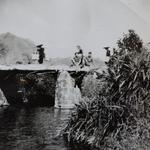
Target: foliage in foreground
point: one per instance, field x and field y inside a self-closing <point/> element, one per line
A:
<point x="118" y="115"/>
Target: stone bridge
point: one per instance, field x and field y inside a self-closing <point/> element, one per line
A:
<point x="39" y="84"/>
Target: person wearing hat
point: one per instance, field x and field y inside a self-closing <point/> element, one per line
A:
<point x="107" y="51"/>
<point x="40" y="49"/>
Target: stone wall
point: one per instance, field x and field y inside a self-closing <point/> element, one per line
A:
<point x="35" y="88"/>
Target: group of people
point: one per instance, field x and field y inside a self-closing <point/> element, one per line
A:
<point x="79" y="60"/>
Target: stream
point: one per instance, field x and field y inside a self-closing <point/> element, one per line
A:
<point x="33" y="128"/>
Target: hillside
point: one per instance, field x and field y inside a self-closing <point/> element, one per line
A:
<point x="14" y="49"/>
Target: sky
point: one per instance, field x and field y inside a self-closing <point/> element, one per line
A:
<point x="62" y="24"/>
<point x="141" y="7"/>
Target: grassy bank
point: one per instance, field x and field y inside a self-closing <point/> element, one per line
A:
<point x="114" y="112"/>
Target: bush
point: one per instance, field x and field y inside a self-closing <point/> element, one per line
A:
<point x="91" y="86"/>
<point x="118" y="116"/>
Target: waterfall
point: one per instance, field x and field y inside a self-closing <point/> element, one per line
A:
<point x="3" y="100"/>
<point x="66" y="94"/>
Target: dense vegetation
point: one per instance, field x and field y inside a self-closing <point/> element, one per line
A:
<point x="114" y="113"/>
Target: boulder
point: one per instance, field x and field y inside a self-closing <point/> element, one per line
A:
<point x="66" y="95"/>
<point x="3" y="100"/>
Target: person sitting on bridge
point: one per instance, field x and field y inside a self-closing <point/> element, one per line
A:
<point x="89" y="60"/>
<point x="79" y="59"/>
<point x="75" y="60"/>
<point x="82" y="59"/>
<point x="40" y="49"/>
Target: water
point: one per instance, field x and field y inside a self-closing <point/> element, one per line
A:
<point x="34" y="128"/>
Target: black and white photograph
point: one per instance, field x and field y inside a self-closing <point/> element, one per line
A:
<point x="74" y="74"/>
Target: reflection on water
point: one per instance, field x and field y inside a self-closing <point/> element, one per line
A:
<point x="32" y="128"/>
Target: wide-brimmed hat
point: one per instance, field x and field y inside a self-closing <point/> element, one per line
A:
<point x="107" y="48"/>
<point x="39" y="46"/>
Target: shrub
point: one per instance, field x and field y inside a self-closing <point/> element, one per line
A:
<point x="118" y="116"/>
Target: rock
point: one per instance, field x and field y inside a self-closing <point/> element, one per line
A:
<point x="3" y="100"/>
<point x="38" y="88"/>
<point x="66" y="94"/>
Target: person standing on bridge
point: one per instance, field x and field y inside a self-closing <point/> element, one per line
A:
<point x="107" y="51"/>
<point x="40" y="49"/>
